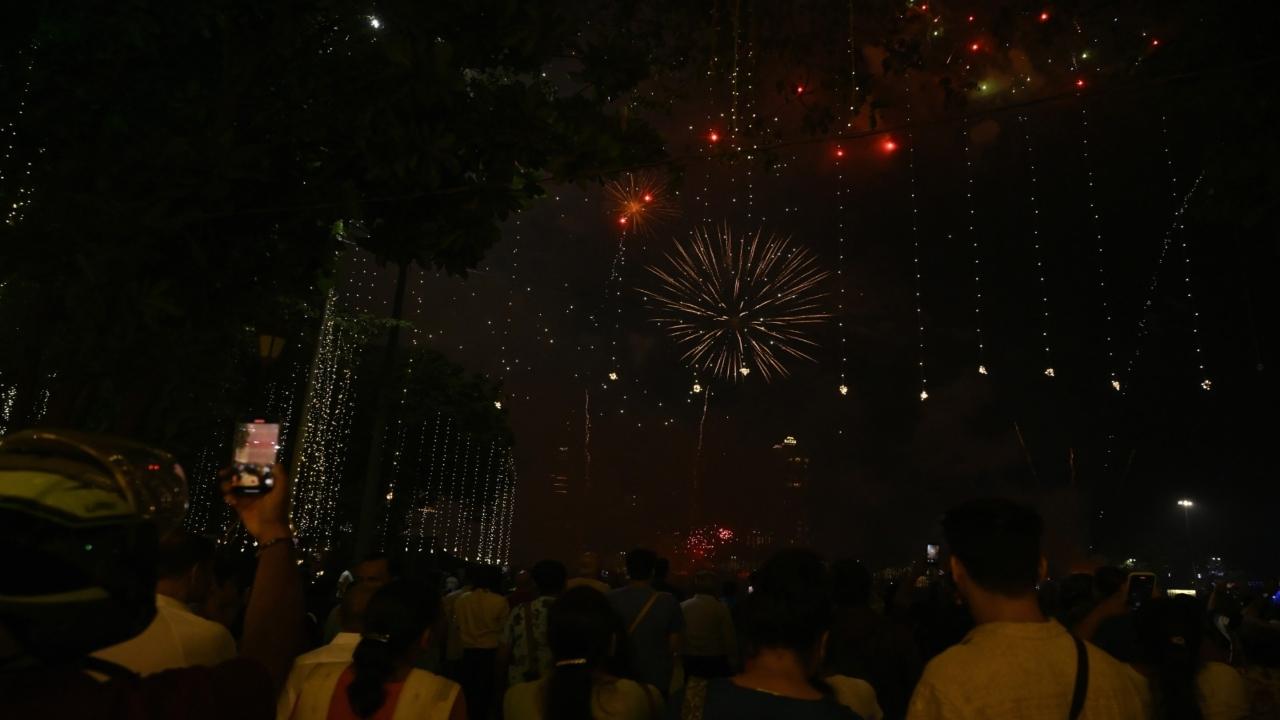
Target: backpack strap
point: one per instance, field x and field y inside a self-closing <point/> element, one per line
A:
<point x="1081" y="688"/>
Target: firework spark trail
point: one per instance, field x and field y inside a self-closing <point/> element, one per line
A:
<point x="586" y="443"/>
<point x="737" y="305"/>
<point x="1173" y="228"/>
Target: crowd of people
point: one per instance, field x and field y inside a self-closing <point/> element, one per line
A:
<point x="103" y="615"/>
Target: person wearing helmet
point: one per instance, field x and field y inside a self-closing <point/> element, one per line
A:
<point x="80" y="517"/>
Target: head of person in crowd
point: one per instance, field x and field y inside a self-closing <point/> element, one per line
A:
<point x="705" y="583"/>
<point x="640" y="565"/>
<point x="232" y="576"/>
<point x="451" y="584"/>
<point x="996" y="562"/>
<point x="184" y="567"/>
<point x="1170" y="631"/>
<point x="584" y="635"/>
<point x="488" y="577"/>
<point x="589" y="565"/>
<point x="549" y="576"/>
<point x="354" y="607"/>
<point x="396" y="625"/>
<point x="374" y="569"/>
<point x="1107" y="581"/>
<point x="729" y="590"/>
<point x="850" y="583"/>
<point x="788" y="614"/>
<point x="523" y="582"/>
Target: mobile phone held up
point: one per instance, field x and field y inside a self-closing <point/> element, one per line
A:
<point x="256" y="448"/>
<point x="1142" y="585"/>
<point x="931" y="554"/>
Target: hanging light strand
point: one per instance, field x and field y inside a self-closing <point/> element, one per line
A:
<point x="1095" y="219"/>
<point x="977" y="250"/>
<point x="915" y="246"/>
<point x="1033" y="190"/>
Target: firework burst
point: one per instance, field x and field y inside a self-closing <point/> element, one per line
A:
<point x="639" y="201"/>
<point x="739" y="305"/>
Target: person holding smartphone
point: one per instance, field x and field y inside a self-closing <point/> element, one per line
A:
<point x="85" y="579"/>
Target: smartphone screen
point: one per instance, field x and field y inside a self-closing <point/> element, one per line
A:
<point x="931" y="554"/>
<point x="255" y="450"/>
<point x="257" y="443"/>
<point x="1141" y="586"/>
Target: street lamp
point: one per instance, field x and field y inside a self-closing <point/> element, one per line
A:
<point x="1186" y="506"/>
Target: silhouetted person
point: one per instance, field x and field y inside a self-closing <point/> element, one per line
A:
<point x="653" y="621"/>
<point x="783" y="625"/>
<point x="1183" y="685"/>
<point x="709" y="639"/>
<point x="1015" y="663"/>
<point x="864" y="644"/>
<point x="584" y="635"/>
<point x="380" y="680"/>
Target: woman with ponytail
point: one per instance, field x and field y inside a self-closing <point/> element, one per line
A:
<point x="584" y="635"/>
<point x="381" y="682"/>
<point x="1184" y="686"/>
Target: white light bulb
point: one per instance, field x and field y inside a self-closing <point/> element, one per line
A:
<point x="1048" y="371"/>
<point x="1115" y="384"/>
<point x="844" y="389"/>
<point x="613" y="376"/>
<point x="982" y="369"/>
<point x="924" y="395"/>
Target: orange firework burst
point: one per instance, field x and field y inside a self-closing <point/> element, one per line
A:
<point x="639" y="201"/>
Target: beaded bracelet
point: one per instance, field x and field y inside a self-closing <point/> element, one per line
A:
<point x="283" y="538"/>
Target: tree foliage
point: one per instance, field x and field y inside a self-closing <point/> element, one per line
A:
<point x="188" y="163"/>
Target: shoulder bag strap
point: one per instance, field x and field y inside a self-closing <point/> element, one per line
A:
<point x="643" y="611"/>
<point x="1082" y="679"/>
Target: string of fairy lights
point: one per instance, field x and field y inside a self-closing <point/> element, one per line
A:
<point x="977" y="250"/>
<point x="1095" y="220"/>
<point x="1037" y="250"/>
<point x="915" y="244"/>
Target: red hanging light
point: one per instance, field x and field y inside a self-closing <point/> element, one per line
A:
<point x="888" y="145"/>
<point x="713" y="136"/>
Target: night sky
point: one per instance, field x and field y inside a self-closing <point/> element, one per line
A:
<point x="1105" y="467"/>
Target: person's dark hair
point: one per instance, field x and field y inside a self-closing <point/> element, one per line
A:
<point x="1107" y="581"/>
<point x="998" y="541"/>
<point x="550" y="576"/>
<point x="850" y="583"/>
<point x="705" y="582"/>
<point x="397" y="616"/>
<point x="729" y="588"/>
<point x="488" y="577"/>
<point x="790" y="606"/>
<point x="179" y="551"/>
<point x="1170" y="631"/>
<point x="582" y="630"/>
<point x="661" y="568"/>
<point x="393" y="565"/>
<point x="234" y="567"/>
<point x="641" y="564"/>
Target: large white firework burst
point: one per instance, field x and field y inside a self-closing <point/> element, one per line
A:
<point x="739" y="305"/>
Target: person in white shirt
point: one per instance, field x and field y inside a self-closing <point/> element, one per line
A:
<point x="710" y="644"/>
<point x="177" y="637"/>
<point x="1016" y="663"/>
<point x="339" y="650"/>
